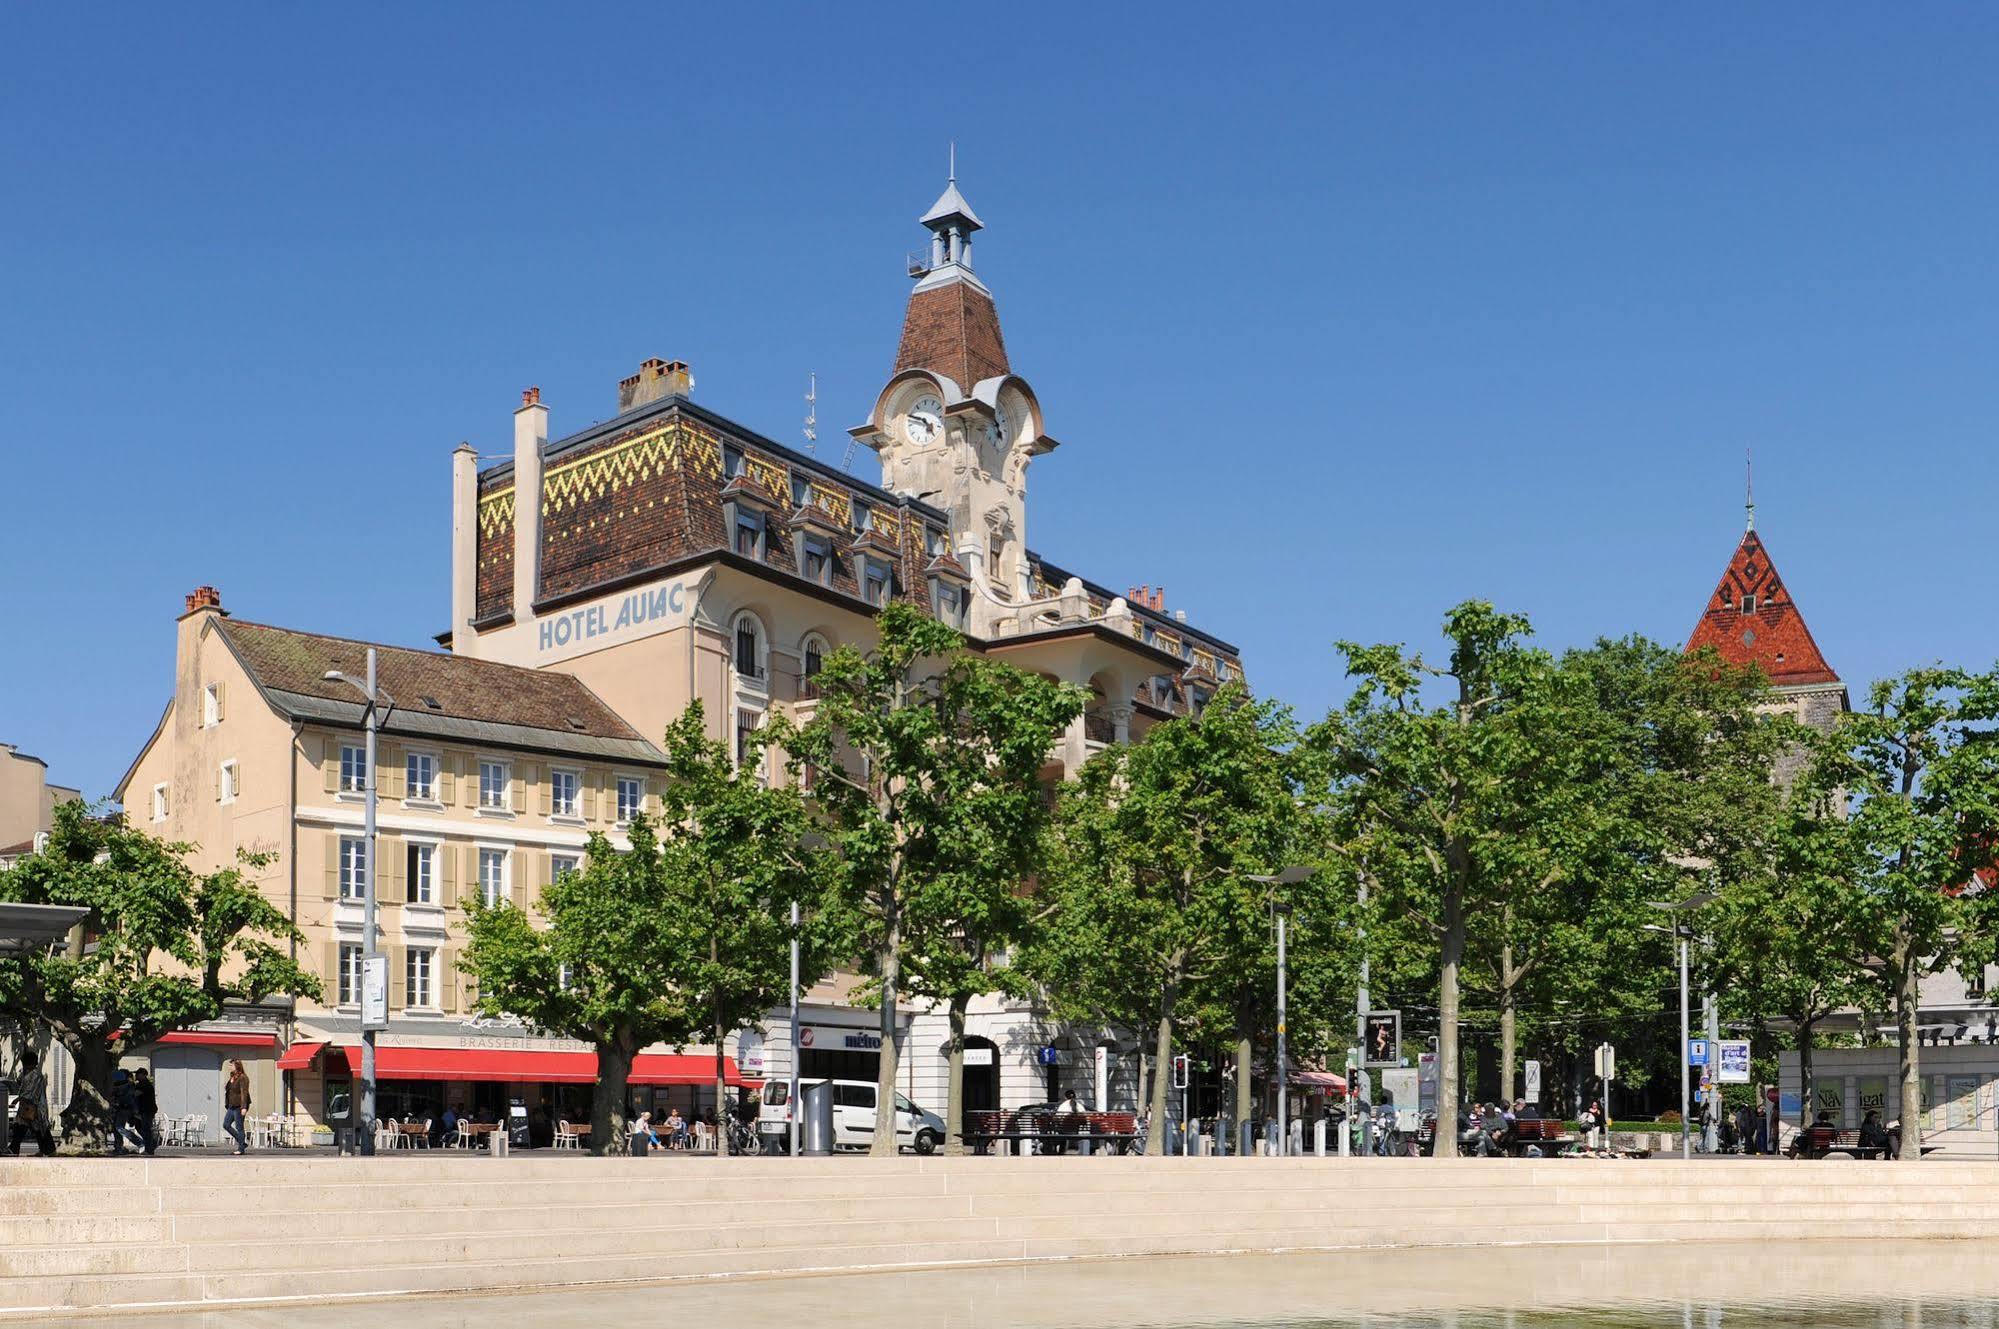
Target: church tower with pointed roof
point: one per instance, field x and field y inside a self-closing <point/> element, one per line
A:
<point x="1752" y="619"/>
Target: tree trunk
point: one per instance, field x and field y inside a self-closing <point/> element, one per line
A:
<point x="1245" y="1101"/>
<point x="884" y="1145"/>
<point x="1808" y="1084"/>
<point x="1447" y="1016"/>
<point x="86" y="1122"/>
<point x="1162" y="1063"/>
<point x="1907" y="997"/>
<point x="954" y="1079"/>
<point x="1508" y="1028"/>
<point x="723" y="1114"/>
<point x="607" y="1105"/>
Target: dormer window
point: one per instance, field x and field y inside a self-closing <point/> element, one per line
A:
<point x="933" y="541"/>
<point x="801" y="490"/>
<point x="1748" y="605"/>
<point x="949" y="604"/>
<point x="732" y="461"/>
<point x="749" y="533"/>
<point x="877" y="583"/>
<point x="863" y="517"/>
<point x="818" y="559"/>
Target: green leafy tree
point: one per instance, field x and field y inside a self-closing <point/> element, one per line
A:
<point x="736" y="858"/>
<point x="925" y="762"/>
<point x="606" y="970"/>
<point x="1445" y="784"/>
<point x="1904" y="837"/>
<point x="1148" y="907"/>
<point x="163" y="947"/>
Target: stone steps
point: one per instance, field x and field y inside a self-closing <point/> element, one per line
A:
<point x="122" y="1233"/>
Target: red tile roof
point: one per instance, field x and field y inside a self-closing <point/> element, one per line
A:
<point x="1772" y="635"/>
<point x="953" y="330"/>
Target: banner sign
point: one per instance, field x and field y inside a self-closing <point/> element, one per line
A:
<point x="1734" y="1060"/>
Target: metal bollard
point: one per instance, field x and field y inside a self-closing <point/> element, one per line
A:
<point x="1244" y="1135"/>
<point x="496" y="1143"/>
<point x="1319" y="1137"/>
<point x="1296" y="1143"/>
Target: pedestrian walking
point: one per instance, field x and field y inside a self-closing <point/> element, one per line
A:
<point x="30" y="1124"/>
<point x="235" y="1104"/>
<point x="124" y="1111"/>
<point x="146" y="1102"/>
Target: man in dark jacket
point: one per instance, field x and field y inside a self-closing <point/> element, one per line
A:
<point x="146" y="1098"/>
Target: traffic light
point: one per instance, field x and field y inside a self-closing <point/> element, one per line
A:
<point x="1180" y="1071"/>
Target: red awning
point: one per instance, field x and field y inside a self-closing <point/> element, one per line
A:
<point x="299" y="1056"/>
<point x="213" y="1038"/>
<point x="219" y="1039"/>
<point x="1317" y="1080"/>
<point x="408" y="1063"/>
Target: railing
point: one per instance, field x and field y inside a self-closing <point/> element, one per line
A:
<point x="1098" y="728"/>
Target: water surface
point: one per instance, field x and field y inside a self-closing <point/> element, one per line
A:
<point x="1879" y="1285"/>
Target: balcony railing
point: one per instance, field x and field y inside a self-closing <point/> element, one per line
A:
<point x="1097" y="727"/>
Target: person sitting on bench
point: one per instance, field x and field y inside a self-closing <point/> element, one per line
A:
<point x="1873" y="1135"/>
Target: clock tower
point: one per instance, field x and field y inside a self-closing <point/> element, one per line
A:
<point x="954" y="426"/>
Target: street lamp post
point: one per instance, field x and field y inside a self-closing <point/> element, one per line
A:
<point x="371" y="718"/>
<point x="792" y="1116"/>
<point x="1290" y="876"/>
<point x="1682" y="933"/>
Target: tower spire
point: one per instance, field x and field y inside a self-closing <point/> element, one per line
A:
<point x="1749" y="489"/>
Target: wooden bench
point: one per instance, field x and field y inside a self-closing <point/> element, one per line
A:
<point x="1545" y="1133"/>
<point x="1117" y="1130"/>
<point x="1818" y="1142"/>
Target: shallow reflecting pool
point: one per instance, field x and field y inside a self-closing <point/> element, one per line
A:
<point x="1883" y="1285"/>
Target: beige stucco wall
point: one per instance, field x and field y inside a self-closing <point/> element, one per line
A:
<point x="26" y="797"/>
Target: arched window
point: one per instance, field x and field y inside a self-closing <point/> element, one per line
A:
<point x="749" y="647"/>
<point x="812" y="653"/>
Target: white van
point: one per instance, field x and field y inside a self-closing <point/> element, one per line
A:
<point x="853" y="1117"/>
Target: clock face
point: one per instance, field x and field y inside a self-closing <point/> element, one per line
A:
<point x="925" y="421"/>
<point x="1000" y="428"/>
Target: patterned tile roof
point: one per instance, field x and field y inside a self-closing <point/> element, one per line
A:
<point x="1751" y="619"/>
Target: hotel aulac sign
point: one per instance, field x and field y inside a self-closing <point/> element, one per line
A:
<point x="606" y="622"/>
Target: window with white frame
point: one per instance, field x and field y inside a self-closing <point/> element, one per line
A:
<point x="211" y="707"/>
<point x="353" y="867"/>
<point x="492" y="877"/>
<point x="749" y="752"/>
<point x="227" y="785"/>
<point x="420" y="777"/>
<point x="350" y="973"/>
<point x="353" y="769"/>
<point x="749" y="647"/>
<point x="420" y="872"/>
<point x="564" y="789"/>
<point x="161" y="804"/>
<point x="631" y="797"/>
<point x="563" y="865"/>
<point x="419" y="969"/>
<point x="493" y="779"/>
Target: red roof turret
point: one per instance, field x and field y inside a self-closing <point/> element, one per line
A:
<point x="1751" y="619"/>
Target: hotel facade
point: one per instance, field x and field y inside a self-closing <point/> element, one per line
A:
<point x="600" y="582"/>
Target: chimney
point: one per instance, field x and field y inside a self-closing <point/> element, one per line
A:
<point x="464" y="546"/>
<point x="1179" y="616"/>
<point x="203" y="597"/>
<point x="530" y="437"/>
<point x="656" y="380"/>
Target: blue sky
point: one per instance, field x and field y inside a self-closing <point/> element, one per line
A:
<point x="1342" y="315"/>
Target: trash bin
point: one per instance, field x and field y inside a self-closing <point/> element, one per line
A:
<point x="816" y="1125"/>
